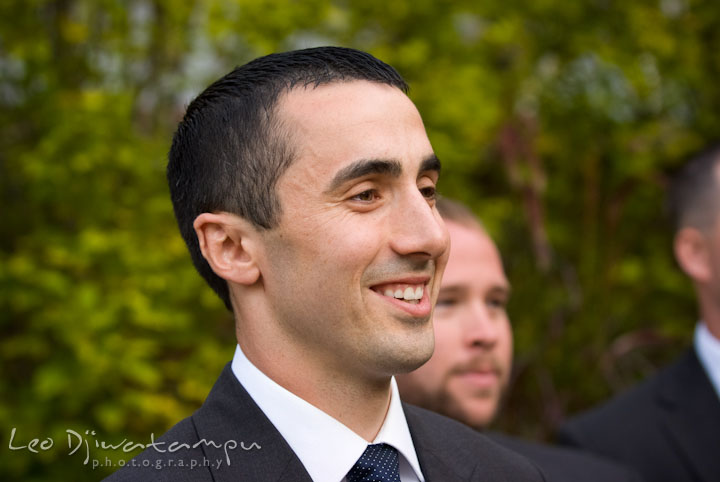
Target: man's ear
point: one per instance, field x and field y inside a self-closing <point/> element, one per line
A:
<point x="692" y="254"/>
<point x="228" y="243"/>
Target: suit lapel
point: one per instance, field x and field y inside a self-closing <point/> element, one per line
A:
<point x="692" y="410"/>
<point x="229" y="414"/>
<point x="431" y="453"/>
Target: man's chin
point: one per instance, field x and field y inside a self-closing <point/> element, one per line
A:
<point x="409" y="364"/>
<point x="478" y="414"/>
<point x="410" y="358"/>
<point x="477" y="421"/>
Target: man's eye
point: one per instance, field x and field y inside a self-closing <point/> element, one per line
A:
<point x="497" y="303"/>
<point x="429" y="192"/>
<point x="446" y="302"/>
<point x="366" y="196"/>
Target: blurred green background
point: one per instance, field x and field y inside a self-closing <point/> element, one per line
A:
<point x="558" y="122"/>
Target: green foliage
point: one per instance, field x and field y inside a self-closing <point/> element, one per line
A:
<point x="558" y="122"/>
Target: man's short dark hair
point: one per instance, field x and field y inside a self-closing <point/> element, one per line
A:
<point x="230" y="148"/>
<point x="693" y="194"/>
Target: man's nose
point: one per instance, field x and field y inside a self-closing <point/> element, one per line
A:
<point x="418" y="228"/>
<point x="480" y="329"/>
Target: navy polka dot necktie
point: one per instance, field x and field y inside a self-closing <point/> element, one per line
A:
<point x="379" y="463"/>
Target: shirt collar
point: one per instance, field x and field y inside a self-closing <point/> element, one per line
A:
<point x="708" y="351"/>
<point x="327" y="448"/>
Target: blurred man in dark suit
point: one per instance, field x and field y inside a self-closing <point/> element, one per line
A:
<point x="468" y="373"/>
<point x="668" y="427"/>
<point x="304" y="185"/>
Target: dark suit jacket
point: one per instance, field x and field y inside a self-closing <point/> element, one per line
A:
<point x="561" y="464"/>
<point x="667" y="428"/>
<point x="447" y="450"/>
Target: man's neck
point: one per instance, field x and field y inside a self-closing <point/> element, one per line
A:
<point x="358" y="402"/>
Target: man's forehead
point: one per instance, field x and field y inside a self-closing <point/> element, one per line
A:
<point x="473" y="256"/>
<point x="341" y="130"/>
<point x="332" y="97"/>
<point x="344" y="106"/>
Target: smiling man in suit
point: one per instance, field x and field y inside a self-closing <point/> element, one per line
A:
<point x="668" y="427"/>
<point x="469" y="371"/>
<point x="304" y="186"/>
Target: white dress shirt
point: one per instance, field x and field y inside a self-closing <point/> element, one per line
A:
<point x="707" y="348"/>
<point x="327" y="448"/>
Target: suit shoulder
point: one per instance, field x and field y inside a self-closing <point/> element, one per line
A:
<point x="177" y="456"/>
<point x="563" y="464"/>
<point x="465" y="452"/>
<point x="628" y="419"/>
<point x="629" y="406"/>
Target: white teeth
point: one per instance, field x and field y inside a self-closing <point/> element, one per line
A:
<point x="409" y="294"/>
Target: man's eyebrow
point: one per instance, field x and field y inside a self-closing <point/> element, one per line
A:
<point x="503" y="289"/>
<point x="430" y="163"/>
<point x="364" y="167"/>
<point x="496" y="288"/>
<point x="452" y="289"/>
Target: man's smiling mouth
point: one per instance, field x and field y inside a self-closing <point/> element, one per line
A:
<point x="410" y="293"/>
